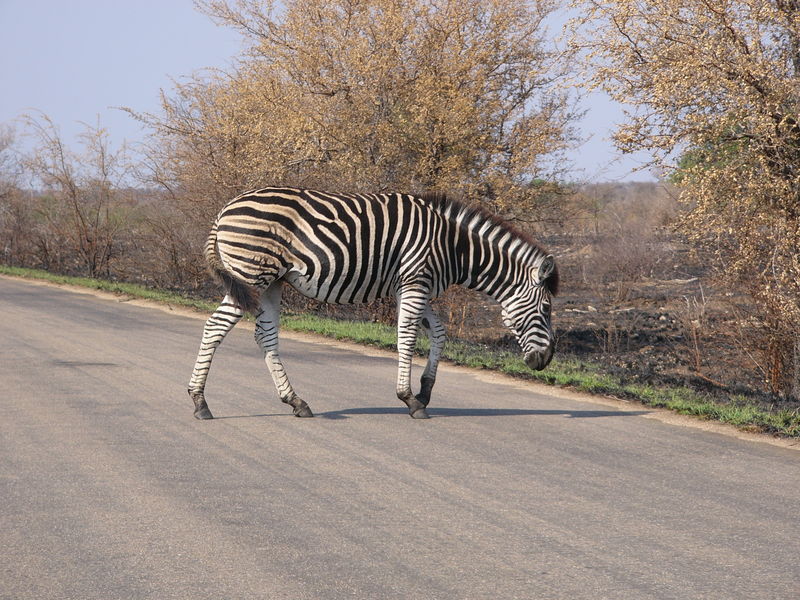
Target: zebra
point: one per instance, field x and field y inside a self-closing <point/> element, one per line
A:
<point x="351" y="248"/>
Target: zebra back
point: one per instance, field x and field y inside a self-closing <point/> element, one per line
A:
<point x="349" y="248"/>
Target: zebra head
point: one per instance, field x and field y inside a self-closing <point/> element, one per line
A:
<point x="526" y="312"/>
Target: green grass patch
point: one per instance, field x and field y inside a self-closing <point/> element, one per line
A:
<point x="372" y="334"/>
<point x="562" y="371"/>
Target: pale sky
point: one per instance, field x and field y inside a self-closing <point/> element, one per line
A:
<point x="76" y="60"/>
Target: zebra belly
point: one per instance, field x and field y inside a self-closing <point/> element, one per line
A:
<point x="311" y="288"/>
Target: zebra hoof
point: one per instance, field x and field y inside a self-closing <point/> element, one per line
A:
<point x="415" y="408"/>
<point x="420" y="413"/>
<point x="200" y="407"/>
<point x="203" y="414"/>
<point x="299" y="406"/>
<point x="303" y="412"/>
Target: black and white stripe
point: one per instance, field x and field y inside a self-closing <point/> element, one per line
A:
<point x="349" y="248"/>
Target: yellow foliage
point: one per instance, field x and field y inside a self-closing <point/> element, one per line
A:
<point x="716" y="83"/>
<point x="369" y="95"/>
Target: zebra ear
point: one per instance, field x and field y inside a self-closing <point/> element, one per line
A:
<point x="546" y="267"/>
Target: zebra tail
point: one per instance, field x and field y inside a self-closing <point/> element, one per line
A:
<point x="245" y="296"/>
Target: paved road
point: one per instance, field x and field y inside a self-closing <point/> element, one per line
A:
<point x="110" y="489"/>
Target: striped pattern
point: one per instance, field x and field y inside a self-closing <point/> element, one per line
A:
<point x="349" y="248"/>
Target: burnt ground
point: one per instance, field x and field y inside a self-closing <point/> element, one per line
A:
<point x="662" y="332"/>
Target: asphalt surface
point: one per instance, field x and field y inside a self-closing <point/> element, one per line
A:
<point x="110" y="489"/>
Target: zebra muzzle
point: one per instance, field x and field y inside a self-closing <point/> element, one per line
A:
<point x="538" y="360"/>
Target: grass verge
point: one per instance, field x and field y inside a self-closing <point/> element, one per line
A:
<point x="563" y="371"/>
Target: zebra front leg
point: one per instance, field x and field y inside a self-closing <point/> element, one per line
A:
<point x="267" y="337"/>
<point x="217" y="327"/>
<point x="431" y="322"/>
<point x="410" y="307"/>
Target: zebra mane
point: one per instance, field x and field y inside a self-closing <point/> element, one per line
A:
<point x="447" y="206"/>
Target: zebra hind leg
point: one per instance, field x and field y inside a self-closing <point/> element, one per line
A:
<point x="411" y="305"/>
<point x="217" y="327"/>
<point x="433" y="324"/>
<point x="267" y="338"/>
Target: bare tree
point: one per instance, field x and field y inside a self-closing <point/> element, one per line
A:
<point x="84" y="195"/>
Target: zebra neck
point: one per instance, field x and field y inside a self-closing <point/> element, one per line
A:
<point x="491" y="262"/>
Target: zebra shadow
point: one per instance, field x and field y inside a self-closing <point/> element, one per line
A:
<point x="435" y="412"/>
<point x="259" y="416"/>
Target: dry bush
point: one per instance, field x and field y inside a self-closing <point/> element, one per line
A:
<point x="31" y="232"/>
<point x="715" y="86"/>
<point x="84" y="204"/>
<point x="627" y="238"/>
<point x="770" y="345"/>
<point x="469" y="315"/>
<point x="15" y="214"/>
<point x="371" y="96"/>
<point x="694" y="323"/>
<point x="163" y="247"/>
<point x="629" y="255"/>
<point x="16" y="229"/>
<point x="9" y="167"/>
